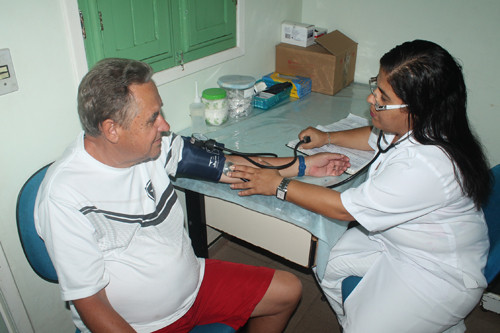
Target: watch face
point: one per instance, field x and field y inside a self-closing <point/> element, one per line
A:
<point x="281" y="194"/>
<point x="282" y="188"/>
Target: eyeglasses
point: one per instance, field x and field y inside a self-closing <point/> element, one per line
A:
<point x="373" y="86"/>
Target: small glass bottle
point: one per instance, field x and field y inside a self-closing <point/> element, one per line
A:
<point x="216" y="111"/>
<point x="197" y="113"/>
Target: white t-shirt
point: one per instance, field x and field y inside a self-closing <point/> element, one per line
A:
<point x="121" y="229"/>
<point x="412" y="203"/>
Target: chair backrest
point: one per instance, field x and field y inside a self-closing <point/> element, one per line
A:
<point x="348" y="285"/>
<point x="492" y="213"/>
<point x="33" y="245"/>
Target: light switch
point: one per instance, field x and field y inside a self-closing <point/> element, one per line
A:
<point x="8" y="81"/>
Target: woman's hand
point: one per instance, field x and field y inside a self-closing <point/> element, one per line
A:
<point x="318" y="138"/>
<point x="326" y="164"/>
<point x="265" y="181"/>
<point x="259" y="181"/>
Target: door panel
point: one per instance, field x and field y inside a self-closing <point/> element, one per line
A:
<point x="208" y="27"/>
<point x="137" y="29"/>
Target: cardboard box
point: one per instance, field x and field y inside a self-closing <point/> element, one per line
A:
<point x="299" y="34"/>
<point x="330" y="63"/>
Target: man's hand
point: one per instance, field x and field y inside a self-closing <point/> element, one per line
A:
<point x="326" y="164"/>
<point x="99" y="316"/>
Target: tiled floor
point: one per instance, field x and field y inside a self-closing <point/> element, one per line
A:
<point x="314" y="315"/>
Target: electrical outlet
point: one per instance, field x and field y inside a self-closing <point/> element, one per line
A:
<point x="8" y="80"/>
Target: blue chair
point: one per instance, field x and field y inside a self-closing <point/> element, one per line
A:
<point x="348" y="285"/>
<point x="491" y="211"/>
<point x="492" y="214"/>
<point x="34" y="247"/>
<point x="213" y="328"/>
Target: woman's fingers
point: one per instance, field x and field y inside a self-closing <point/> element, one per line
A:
<point x="259" y="181"/>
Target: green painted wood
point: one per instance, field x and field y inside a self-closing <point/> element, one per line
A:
<point x="137" y="29"/>
<point x="163" y="33"/>
<point x="207" y="27"/>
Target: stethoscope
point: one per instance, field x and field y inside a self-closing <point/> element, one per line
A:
<point x="364" y="168"/>
<point x="201" y="140"/>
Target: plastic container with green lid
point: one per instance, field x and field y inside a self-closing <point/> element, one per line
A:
<point x="240" y="93"/>
<point x="216" y="111"/>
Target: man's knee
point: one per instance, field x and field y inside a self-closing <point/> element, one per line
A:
<point x="283" y="294"/>
<point x="289" y="285"/>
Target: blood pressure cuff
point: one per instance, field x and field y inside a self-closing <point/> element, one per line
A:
<point x="199" y="162"/>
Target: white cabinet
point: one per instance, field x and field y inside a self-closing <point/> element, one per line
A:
<point x="272" y="234"/>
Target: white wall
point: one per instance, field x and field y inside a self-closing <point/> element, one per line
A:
<point x="40" y="119"/>
<point x="37" y="121"/>
<point x="469" y="30"/>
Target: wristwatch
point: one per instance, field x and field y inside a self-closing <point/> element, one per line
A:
<point x="282" y="188"/>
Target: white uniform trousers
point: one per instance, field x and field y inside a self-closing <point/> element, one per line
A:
<point x="393" y="295"/>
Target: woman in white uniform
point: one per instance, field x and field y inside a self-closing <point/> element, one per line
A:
<point x="421" y="244"/>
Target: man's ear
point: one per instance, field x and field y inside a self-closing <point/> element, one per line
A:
<point x="109" y="129"/>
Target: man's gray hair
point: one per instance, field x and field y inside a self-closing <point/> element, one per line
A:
<point x="104" y="92"/>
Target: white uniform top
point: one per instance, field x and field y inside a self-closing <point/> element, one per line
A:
<point x="121" y="229"/>
<point x="413" y="205"/>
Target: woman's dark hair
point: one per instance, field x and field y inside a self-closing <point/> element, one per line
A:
<point x="104" y="92"/>
<point x="427" y="78"/>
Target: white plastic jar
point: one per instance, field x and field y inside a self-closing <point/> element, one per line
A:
<point x="216" y="111"/>
<point x="240" y="93"/>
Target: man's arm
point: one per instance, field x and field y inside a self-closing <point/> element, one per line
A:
<point x="209" y="164"/>
<point x="99" y="316"/>
<point x="319" y="165"/>
<point x="287" y="172"/>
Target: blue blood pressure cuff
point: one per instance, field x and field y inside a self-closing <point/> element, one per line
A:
<point x="201" y="162"/>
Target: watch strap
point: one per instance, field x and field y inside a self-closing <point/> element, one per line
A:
<point x="282" y="189"/>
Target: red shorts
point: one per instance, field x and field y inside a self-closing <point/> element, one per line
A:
<point x="228" y="294"/>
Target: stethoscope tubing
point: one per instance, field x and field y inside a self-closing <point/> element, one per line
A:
<point x="248" y="156"/>
<point x="364" y="168"/>
<point x="264" y="166"/>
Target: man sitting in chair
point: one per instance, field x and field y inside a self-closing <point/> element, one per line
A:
<point x="114" y="228"/>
